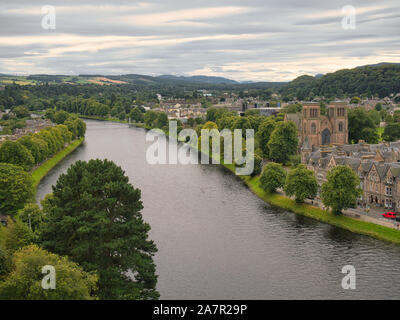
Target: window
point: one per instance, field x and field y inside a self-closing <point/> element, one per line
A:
<point x="390" y="180"/>
<point x="314" y="113"/>
<point x="340" y="126"/>
<point x="340" y="112"/>
<point x="388" y="191"/>
<point x="313" y="128"/>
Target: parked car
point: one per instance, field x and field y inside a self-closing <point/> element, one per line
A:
<point x="389" y="215"/>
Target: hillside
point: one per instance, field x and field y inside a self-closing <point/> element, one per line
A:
<point x="139" y="81"/>
<point x="378" y="80"/>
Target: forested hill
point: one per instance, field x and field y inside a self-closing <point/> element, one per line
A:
<point x="378" y="80"/>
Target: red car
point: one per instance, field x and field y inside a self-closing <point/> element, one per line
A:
<point x="389" y="215"/>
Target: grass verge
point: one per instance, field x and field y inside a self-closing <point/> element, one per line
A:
<point x="356" y="226"/>
<point x="40" y="172"/>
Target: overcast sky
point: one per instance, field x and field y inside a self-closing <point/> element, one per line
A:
<point x="257" y="40"/>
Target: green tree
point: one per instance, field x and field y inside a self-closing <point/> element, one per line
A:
<point x="32" y="146"/>
<point x="293" y="108"/>
<point x="15" y="235"/>
<point x="81" y="127"/>
<point x="243" y="124"/>
<point x="31" y="215"/>
<point x="370" y="135"/>
<point x="355" y="100"/>
<point x="359" y="120"/>
<point x="16" y="188"/>
<point x="122" y="116"/>
<point x="15" y="153"/>
<point x="49" y="114"/>
<point x="150" y="118"/>
<point x="283" y="142"/>
<point x="60" y="116"/>
<point x="43" y="147"/>
<point x="50" y="140"/>
<point x="273" y="177"/>
<point x="301" y="183"/>
<point x="136" y="115"/>
<point x="25" y="280"/>
<point x="162" y="120"/>
<point x="65" y="133"/>
<point x="396" y="116"/>
<point x="252" y="112"/>
<point x="21" y="112"/>
<point x="258" y="162"/>
<point x="226" y="122"/>
<point x="5" y="263"/>
<point x="392" y="131"/>
<point x="95" y="219"/>
<point x="255" y="122"/>
<point x="264" y="134"/>
<point x="341" y="189"/>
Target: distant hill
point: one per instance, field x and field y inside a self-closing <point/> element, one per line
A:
<point x="380" y="80"/>
<point x="141" y="82"/>
<point x="202" y="79"/>
<point x="379" y="64"/>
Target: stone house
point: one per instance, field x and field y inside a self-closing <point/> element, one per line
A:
<point x="377" y="166"/>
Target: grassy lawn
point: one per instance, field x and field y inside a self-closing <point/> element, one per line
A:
<point x="380" y="133"/>
<point x="39" y="173"/>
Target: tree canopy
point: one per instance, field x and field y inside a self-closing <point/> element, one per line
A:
<point x="283" y="142"/>
<point x="25" y="280"/>
<point x="273" y="177"/>
<point x="301" y="183"/>
<point x="16" y="188"/>
<point x="95" y="219"/>
<point x="341" y="189"/>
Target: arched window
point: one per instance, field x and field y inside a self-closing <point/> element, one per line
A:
<point x="313" y="128"/>
<point x="340" y="126"/>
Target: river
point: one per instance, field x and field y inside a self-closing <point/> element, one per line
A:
<point x="217" y="240"/>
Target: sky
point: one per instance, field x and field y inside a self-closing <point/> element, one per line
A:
<point x="252" y="40"/>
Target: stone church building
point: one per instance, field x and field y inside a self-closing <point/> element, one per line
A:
<point x="316" y="130"/>
<point x="323" y="140"/>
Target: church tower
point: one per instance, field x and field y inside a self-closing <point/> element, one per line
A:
<point x="311" y="127"/>
<point x="337" y="114"/>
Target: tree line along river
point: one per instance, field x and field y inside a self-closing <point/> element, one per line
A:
<point x="217" y="240"/>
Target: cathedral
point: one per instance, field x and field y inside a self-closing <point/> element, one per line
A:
<point x="316" y="130"/>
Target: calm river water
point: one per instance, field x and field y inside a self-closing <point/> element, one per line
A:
<point x="217" y="240"/>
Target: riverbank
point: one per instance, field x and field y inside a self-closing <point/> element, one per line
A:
<point x="341" y="221"/>
<point x="41" y="171"/>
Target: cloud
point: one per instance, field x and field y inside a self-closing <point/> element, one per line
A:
<point x="259" y="40"/>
